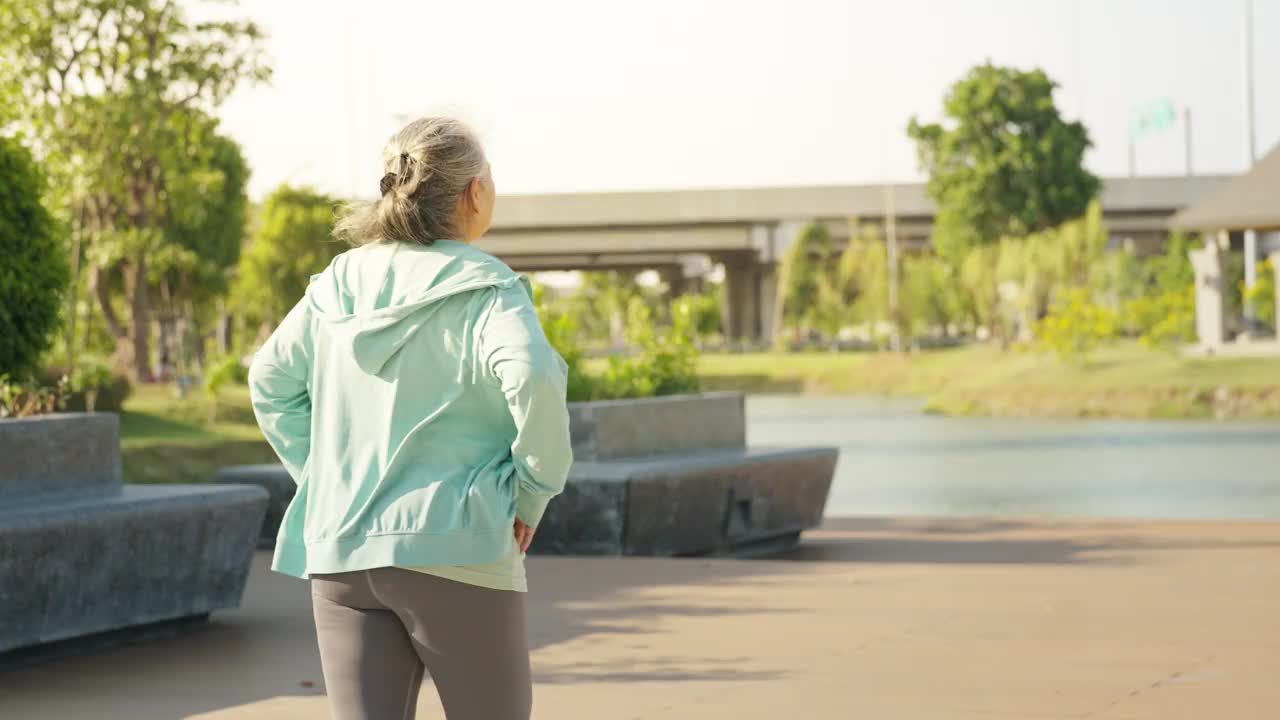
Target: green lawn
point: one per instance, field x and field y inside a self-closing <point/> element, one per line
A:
<point x="1121" y="381"/>
<point x="171" y="439"/>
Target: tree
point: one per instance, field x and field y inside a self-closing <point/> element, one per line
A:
<point x="1171" y="270"/>
<point x="1038" y="268"/>
<point x="106" y="83"/>
<point x="800" y="277"/>
<point x="600" y="305"/>
<point x="203" y="237"/>
<point x="1005" y="164"/>
<point x="33" y="267"/>
<point x="863" y="276"/>
<point x="980" y="299"/>
<point x="294" y="241"/>
<point x="930" y="297"/>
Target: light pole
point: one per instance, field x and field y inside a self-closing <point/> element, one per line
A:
<point x="1186" y="134"/>
<point x="891" y="240"/>
<point x="1250" y="236"/>
<point x="1250" y="135"/>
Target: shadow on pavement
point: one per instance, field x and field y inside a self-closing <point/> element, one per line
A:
<point x="959" y="540"/>
<point x="266" y="650"/>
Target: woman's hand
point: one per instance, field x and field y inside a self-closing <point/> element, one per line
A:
<point x="524" y="535"/>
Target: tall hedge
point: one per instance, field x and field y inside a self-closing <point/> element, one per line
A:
<point x="33" y="264"/>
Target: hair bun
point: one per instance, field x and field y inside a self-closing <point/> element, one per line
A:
<point x="427" y="168"/>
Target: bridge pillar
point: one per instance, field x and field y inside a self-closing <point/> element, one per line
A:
<point x="768" y="301"/>
<point x="739" y="300"/>
<point x="694" y="269"/>
<point x="749" y="291"/>
<point x="673" y="277"/>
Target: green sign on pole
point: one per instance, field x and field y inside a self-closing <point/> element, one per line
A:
<point x="1155" y="117"/>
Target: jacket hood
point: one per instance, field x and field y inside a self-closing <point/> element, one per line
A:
<point x="377" y="296"/>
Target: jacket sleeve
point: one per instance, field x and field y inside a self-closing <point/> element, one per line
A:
<point x="533" y="376"/>
<point x="278" y="388"/>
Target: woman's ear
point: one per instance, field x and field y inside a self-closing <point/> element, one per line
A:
<point x="475" y="193"/>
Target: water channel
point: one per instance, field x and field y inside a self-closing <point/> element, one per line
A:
<point x="897" y="460"/>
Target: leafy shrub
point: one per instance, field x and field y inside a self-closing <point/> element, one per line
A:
<point x="561" y="330"/>
<point x="1162" y="321"/>
<point x="701" y="311"/>
<point x="1263" y="294"/>
<point x="656" y="372"/>
<point x="238" y="372"/>
<point x="1172" y="270"/>
<point x="88" y="380"/>
<point x="1076" y="326"/>
<point x="221" y="373"/>
<point x="90" y="377"/>
<point x="1177" y="323"/>
<point x="665" y="365"/>
<point x="19" y="400"/>
<point x="33" y="272"/>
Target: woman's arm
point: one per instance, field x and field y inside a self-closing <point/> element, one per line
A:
<point x="278" y="387"/>
<point x="533" y="377"/>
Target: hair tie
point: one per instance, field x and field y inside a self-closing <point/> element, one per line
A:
<point x="389" y="180"/>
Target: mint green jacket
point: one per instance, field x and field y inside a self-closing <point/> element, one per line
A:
<point x="415" y="400"/>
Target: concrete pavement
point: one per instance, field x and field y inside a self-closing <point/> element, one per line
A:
<point x="868" y="618"/>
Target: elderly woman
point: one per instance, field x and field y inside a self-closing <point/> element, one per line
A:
<point x="414" y="398"/>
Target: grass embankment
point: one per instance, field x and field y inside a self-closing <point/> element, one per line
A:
<point x="170" y="439"/>
<point x="1120" y="381"/>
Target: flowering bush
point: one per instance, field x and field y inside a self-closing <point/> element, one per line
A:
<point x="1076" y="326"/>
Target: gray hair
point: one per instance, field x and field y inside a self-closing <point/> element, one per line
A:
<point x="428" y="166"/>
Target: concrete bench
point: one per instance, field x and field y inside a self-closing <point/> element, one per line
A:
<point x="734" y="501"/>
<point x="655" y="476"/>
<point x="84" y="556"/>
<point x="280" y="489"/>
<point x="673" y="476"/>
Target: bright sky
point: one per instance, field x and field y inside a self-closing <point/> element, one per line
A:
<point x="583" y="95"/>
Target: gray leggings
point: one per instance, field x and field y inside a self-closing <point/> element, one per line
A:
<point x="379" y="629"/>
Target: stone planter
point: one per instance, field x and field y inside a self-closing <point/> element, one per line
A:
<point x="646" y="427"/>
<point x="655" y="476"/>
<point x="82" y="554"/>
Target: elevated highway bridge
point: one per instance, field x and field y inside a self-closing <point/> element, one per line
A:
<point x="681" y="233"/>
